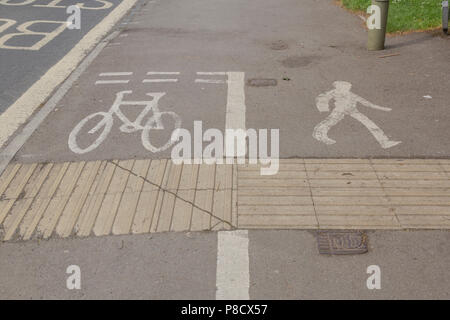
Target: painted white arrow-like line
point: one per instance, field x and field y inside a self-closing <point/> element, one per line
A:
<point x="159" y="80"/>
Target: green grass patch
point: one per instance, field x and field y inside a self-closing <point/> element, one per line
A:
<point x="406" y="15"/>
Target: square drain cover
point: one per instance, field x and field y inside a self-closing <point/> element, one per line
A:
<point x="262" y="82"/>
<point x="342" y="242"/>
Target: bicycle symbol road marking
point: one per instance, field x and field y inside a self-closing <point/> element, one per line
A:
<point x="345" y="104"/>
<point x="128" y="126"/>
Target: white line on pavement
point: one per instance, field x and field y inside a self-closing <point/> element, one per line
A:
<point x="235" y="112"/>
<point x="235" y="116"/>
<point x="11" y="149"/>
<point x="232" y="275"/>
<point x="19" y="112"/>
<point x="111" y="81"/>
<point x="209" y="81"/>
<point x="211" y="73"/>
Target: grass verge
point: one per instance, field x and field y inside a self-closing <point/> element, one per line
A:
<point x="406" y="15"/>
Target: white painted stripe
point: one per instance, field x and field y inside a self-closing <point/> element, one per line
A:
<point x="19" y="112"/>
<point x="211" y="73"/>
<point x="233" y="275"/>
<point x="159" y="80"/>
<point x="111" y="81"/>
<point x="235" y="112"/>
<point x="11" y="149"/>
<point x="113" y="74"/>
<point x="209" y="81"/>
<point x="157" y="72"/>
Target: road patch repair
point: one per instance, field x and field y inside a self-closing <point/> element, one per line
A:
<point x="42" y="200"/>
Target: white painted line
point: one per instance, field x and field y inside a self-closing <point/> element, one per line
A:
<point x="11" y="149"/>
<point x="157" y="72"/>
<point x="159" y="80"/>
<point x="233" y="275"/>
<point x="235" y="116"/>
<point x="19" y="112"/>
<point x="111" y="81"/>
<point x="211" y="73"/>
<point x="114" y="74"/>
<point x="209" y="81"/>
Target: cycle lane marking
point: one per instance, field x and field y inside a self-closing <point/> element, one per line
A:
<point x="159" y="80"/>
<point x="113" y="74"/>
<point x="111" y="81"/>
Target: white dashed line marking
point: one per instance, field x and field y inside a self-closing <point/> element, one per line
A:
<point x="232" y="277"/>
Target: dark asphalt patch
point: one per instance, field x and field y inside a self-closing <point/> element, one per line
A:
<point x="262" y="82"/>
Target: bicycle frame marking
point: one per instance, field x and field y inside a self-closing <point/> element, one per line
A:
<point x="128" y="126"/>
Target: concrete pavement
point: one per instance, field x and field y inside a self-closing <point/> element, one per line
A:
<point x="146" y="196"/>
<point x="375" y="158"/>
<point x="25" y="66"/>
<point x="281" y="265"/>
<point x="283" y="41"/>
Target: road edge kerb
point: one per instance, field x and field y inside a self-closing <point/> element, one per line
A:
<point x="24" y="107"/>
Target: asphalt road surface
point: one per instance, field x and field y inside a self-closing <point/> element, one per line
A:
<point x="22" y="60"/>
<point x="281" y="265"/>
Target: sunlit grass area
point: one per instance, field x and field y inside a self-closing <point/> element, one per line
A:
<point x="406" y="15"/>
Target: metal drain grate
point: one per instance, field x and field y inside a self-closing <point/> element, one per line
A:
<point x="342" y="242"/>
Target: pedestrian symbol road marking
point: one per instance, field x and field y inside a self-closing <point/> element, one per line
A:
<point x="345" y="104"/>
<point x="142" y="196"/>
<point x="113" y="74"/>
<point x="98" y="4"/>
<point x="151" y="73"/>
